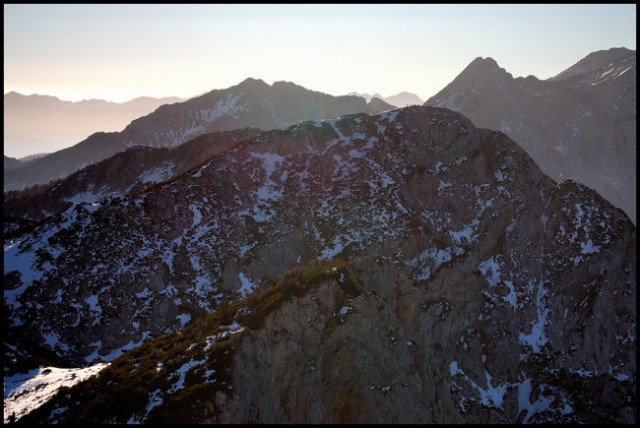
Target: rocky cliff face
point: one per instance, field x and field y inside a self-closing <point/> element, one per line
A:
<point x="361" y="342"/>
<point x="580" y="124"/>
<point x="455" y="352"/>
<point x="460" y="284"/>
<point x="251" y="103"/>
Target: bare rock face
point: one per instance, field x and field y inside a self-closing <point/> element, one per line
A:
<point x="328" y="358"/>
<point x="459" y="283"/>
<point x="469" y="346"/>
<point x="580" y="124"/>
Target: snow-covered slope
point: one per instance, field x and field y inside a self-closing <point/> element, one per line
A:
<point x="481" y="290"/>
<point x="580" y="124"/>
<point x="25" y="392"/>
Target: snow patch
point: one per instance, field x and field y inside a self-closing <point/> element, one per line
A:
<point x="271" y="162"/>
<point x="157" y="174"/>
<point x="589" y="248"/>
<point x="345" y="309"/>
<point x="490" y="265"/>
<point x="246" y="285"/>
<point x="184" y="319"/>
<point x="182" y="372"/>
<point x="88" y="196"/>
<point x="465" y="233"/>
<point x="524" y="403"/>
<point x="537" y="337"/>
<point x="154" y="400"/>
<point x="429" y="261"/>
<point x="491" y="396"/>
<point x="443" y="185"/>
<point x="25" y="392"/>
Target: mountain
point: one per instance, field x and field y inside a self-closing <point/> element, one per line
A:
<point x="379" y="105"/>
<point x="11" y="163"/>
<point x="403" y="99"/>
<point x="252" y="103"/>
<point x="402" y="267"/>
<point x="42" y="123"/>
<point x="580" y="124"/>
<point x="131" y="171"/>
<point x="366" y="96"/>
<point x="599" y="67"/>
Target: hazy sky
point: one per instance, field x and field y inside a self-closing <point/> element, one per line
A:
<point x="118" y="52"/>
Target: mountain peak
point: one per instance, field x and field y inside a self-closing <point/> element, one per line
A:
<point x="588" y="108"/>
<point x="378" y="105"/>
<point x="250" y="82"/>
<point x="596" y="61"/>
<point x="480" y="71"/>
<point x="286" y="84"/>
<point x="484" y="63"/>
<point x="487" y="60"/>
<point x="404" y="99"/>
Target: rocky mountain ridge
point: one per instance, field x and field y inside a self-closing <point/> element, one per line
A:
<point x="130" y="171"/>
<point x="580" y="124"/>
<point x="252" y="103"/>
<point x="459" y="284"/>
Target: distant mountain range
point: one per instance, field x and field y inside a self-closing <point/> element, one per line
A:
<point x="130" y="171"/>
<point x="42" y="123"/>
<point x="252" y="103"/>
<point x="405" y="267"/>
<point x="580" y="124"/>
<point x="403" y="99"/>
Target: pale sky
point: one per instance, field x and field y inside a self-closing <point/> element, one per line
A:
<point x="119" y="52"/>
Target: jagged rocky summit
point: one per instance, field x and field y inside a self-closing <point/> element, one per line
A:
<point x="580" y="124"/>
<point x="459" y="284"/>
